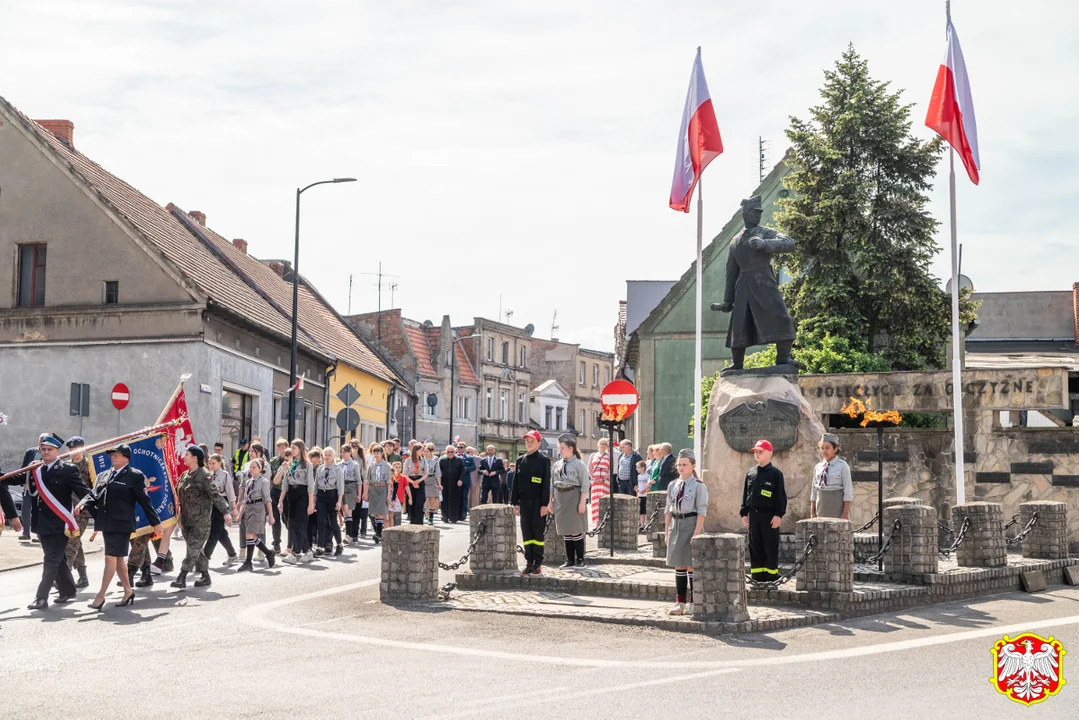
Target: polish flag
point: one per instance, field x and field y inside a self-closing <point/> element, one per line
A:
<point x="698" y="139"/>
<point x="951" y="109"/>
<point x="298" y="386"/>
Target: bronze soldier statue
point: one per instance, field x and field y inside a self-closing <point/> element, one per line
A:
<point x="758" y="314"/>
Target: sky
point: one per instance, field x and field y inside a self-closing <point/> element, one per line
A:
<point x="517" y="156"/>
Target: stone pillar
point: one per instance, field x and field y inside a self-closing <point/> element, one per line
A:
<point x="659" y="544"/>
<point x="719" y="579"/>
<point x="914" y="550"/>
<point x="983" y="545"/>
<point x="831" y="564"/>
<point x="554" y="547"/>
<point x="657" y="500"/>
<point x="889" y="502"/>
<point x="627" y="519"/>
<point x="409" y="564"/>
<point x="497" y="549"/>
<point x="1049" y="538"/>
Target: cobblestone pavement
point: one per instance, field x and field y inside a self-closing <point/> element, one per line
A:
<point x="16" y="553"/>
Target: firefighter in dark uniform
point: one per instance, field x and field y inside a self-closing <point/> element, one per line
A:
<point x="530" y="495"/>
<point x="764" y="502"/>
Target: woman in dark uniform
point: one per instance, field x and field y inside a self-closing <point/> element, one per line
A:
<point x="570" y="500"/>
<point x="116" y="494"/>
<point x="687" y="506"/>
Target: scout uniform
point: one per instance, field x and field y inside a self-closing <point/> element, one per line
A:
<point x="197" y="495"/>
<point x="350" y="471"/>
<point x="764" y="497"/>
<point x="379" y="479"/>
<point x="329" y="488"/>
<point x="433" y="469"/>
<point x="687" y="499"/>
<point x="218" y="532"/>
<point x="531" y="492"/>
<point x="832" y="484"/>
<point x="570" y="480"/>
<point x="255" y="493"/>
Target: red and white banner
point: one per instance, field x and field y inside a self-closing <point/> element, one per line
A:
<point x="298" y="386"/>
<point x="698" y="139"/>
<point x="58" y="509"/>
<point x="951" y="108"/>
<point x="182" y="436"/>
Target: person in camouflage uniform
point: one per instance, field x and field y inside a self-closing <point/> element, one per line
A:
<point x="197" y="496"/>
<point x="75" y="558"/>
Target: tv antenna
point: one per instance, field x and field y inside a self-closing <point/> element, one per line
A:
<point x="554" y="325"/>
<point x="762" y="152"/>
<point x="381" y="275"/>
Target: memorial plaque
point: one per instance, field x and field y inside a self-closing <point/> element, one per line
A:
<point x="774" y="420"/>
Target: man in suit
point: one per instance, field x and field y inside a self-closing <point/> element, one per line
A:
<point x="53" y="485"/>
<point x="491" y="469"/>
<point x="668" y="473"/>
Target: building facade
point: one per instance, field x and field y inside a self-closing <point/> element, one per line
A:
<point x="549" y="413"/>
<point x="582" y="373"/>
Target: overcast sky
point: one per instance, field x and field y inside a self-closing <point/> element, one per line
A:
<point x="521" y="153"/>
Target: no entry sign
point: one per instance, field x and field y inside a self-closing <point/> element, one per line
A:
<point x="120" y="396"/>
<point x="619" y="399"/>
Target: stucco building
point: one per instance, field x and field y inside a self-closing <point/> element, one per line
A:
<point x="581" y="373"/>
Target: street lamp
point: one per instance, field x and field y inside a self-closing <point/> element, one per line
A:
<point x="296" y="303"/>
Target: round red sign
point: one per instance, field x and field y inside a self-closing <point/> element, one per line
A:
<point x="619" y="399"/>
<point x="120" y="396"/>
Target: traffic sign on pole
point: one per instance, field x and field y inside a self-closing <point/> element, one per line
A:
<point x="619" y="399"/>
<point x="121" y="396"/>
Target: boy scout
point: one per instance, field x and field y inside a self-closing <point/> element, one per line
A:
<point x="764" y="502"/>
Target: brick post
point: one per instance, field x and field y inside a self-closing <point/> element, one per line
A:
<point x="889" y="502"/>
<point x="1049" y="538"/>
<point x="497" y="549"/>
<point x="983" y="545"/>
<point x="657" y="500"/>
<point x="659" y="544"/>
<point x="831" y="564"/>
<point x="554" y="547"/>
<point x="409" y="564"/>
<point x="719" y="580"/>
<point x="626" y="521"/>
<point x="914" y="550"/>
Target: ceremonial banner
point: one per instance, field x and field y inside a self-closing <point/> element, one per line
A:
<point x="183" y="436"/>
<point x="148" y="455"/>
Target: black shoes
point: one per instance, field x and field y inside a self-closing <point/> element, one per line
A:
<point x="38" y="604"/>
<point x="271" y="558"/>
<point x="98" y="607"/>
<point x="129" y="600"/>
<point x="527" y="570"/>
<point x="277" y="547"/>
<point x="203" y="581"/>
<point x="579" y="563"/>
<point x="83" y="581"/>
<point x="147" y="579"/>
<point x="246" y="567"/>
<point x="65" y="598"/>
<point x="337" y="551"/>
<point x="181" y="580"/>
<point x="566" y="565"/>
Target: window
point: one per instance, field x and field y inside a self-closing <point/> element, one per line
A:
<point x="31" y="283"/>
<point x="380" y="434"/>
<point x="505" y="353"/>
<point x="559" y="420"/>
<point x="521" y="417"/>
<point x="428" y="411"/>
<point x="503" y="405"/>
<point x="580" y="373"/>
<point x="521" y="357"/>
<point x="547" y="414"/>
<point x="319" y="429"/>
<point x="595" y="375"/>
<point x="237" y="417"/>
<point x="490" y="349"/>
<point x="112" y="292"/>
<point x="582" y="428"/>
<point x="490" y="403"/>
<point x="463" y="410"/>
<point x="606" y="375"/>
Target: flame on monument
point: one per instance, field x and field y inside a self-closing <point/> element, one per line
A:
<point x="856" y="407"/>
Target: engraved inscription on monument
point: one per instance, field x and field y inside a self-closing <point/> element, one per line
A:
<point x="774" y="420"/>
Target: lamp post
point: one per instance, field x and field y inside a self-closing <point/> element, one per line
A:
<point x="296" y="303"/>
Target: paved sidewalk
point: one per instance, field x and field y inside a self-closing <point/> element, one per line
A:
<point x="15" y="553"/>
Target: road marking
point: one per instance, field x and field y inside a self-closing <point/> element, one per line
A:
<point x="255" y="616"/>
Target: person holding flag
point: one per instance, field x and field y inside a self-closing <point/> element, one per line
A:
<point x="197" y="495"/>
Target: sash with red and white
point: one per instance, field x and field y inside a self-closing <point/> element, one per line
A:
<point x="55" y="505"/>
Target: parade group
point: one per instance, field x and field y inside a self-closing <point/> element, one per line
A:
<point x="328" y="500"/>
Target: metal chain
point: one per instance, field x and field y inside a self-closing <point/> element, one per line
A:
<point x="869" y="524"/>
<point x="547" y="526"/>
<point x="444" y="593"/>
<point x="1013" y="521"/>
<point x="651" y="521"/>
<point x="602" y="522"/>
<point x="876" y="557"/>
<point x="471" y="548"/>
<point x="959" y="538"/>
<point x="945" y="528"/>
<point x="1025" y="531"/>
<point x="806" y="552"/>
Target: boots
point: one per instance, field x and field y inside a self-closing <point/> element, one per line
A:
<point x="147" y="580"/>
<point x="131" y="571"/>
<point x="83" y="581"/>
<point x="203" y="581"/>
<point x="181" y="580"/>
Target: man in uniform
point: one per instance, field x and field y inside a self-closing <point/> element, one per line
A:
<point x="52" y="486"/>
<point x="764" y="502"/>
<point x="197" y="495"/>
<point x="75" y="559"/>
<point x="531" y="494"/>
<point x="240" y="457"/>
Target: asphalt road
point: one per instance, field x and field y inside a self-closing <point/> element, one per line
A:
<point x="313" y="641"/>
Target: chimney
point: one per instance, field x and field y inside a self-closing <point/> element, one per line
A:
<point x="64" y="130"/>
<point x="277" y="267"/>
<point x="198" y="216"/>
<point x="1075" y="310"/>
<point x="240" y="245"/>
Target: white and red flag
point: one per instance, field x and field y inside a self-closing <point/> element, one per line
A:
<point x="181" y="436"/>
<point x="951" y="108"/>
<point x="698" y="139"/>
<point x="298" y="386"/>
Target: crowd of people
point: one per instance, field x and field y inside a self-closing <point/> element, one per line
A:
<point x="327" y="500"/>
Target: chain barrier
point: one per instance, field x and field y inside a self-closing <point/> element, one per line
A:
<point x="547" y="526"/>
<point x="1025" y="531"/>
<point x="869" y="524"/>
<point x="602" y="522"/>
<point x="877" y="556"/>
<point x="651" y="522"/>
<point x="471" y="548"/>
<point x="959" y="538"/>
<point x="1013" y="521"/>
<point x="801" y="561"/>
<point x="944" y="528"/>
<point x="444" y="593"/>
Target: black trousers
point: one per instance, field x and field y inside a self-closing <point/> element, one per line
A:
<point x="466" y="490"/>
<point x="218" y="534"/>
<point x="299" y="540"/>
<point x="275" y="497"/>
<point x="417" y="508"/>
<point x="763" y="546"/>
<point x="326" y="507"/>
<point x="492" y="488"/>
<point x="55" y="567"/>
<point x="359" y="519"/>
<point x="451" y="501"/>
<point x="533" y="527"/>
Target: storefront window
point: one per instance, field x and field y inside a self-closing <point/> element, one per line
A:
<point x="238" y="412"/>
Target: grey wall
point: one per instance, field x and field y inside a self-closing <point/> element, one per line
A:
<point x="642" y="297"/>
<point x="1029" y="315"/>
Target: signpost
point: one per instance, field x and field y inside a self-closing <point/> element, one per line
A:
<point x="618" y="400"/>
<point x="80" y="402"/>
<point x="121" y="396"/>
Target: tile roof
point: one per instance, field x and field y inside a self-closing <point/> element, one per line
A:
<point x="164" y="235"/>
<point x="466" y="373"/>
<point x="417" y="339"/>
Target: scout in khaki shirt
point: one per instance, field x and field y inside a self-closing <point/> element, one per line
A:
<point x="687" y="506"/>
<point x="832" y="490"/>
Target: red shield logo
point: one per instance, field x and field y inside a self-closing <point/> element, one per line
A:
<point x="1028" y="668"/>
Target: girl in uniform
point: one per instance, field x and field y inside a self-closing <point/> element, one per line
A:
<point x="329" y="489"/>
<point x="569" y="501"/>
<point x="256" y="510"/>
<point x="215" y="466"/>
<point x="400" y="493"/>
<point x="832" y="491"/>
<point x="433" y="472"/>
<point x="416" y="472"/>
<point x="377" y="490"/>
<point x="299" y="483"/>
<point x="687" y="506"/>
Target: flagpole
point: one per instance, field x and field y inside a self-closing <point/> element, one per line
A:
<point x="698" y="436"/>
<point x="957" y="369"/>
